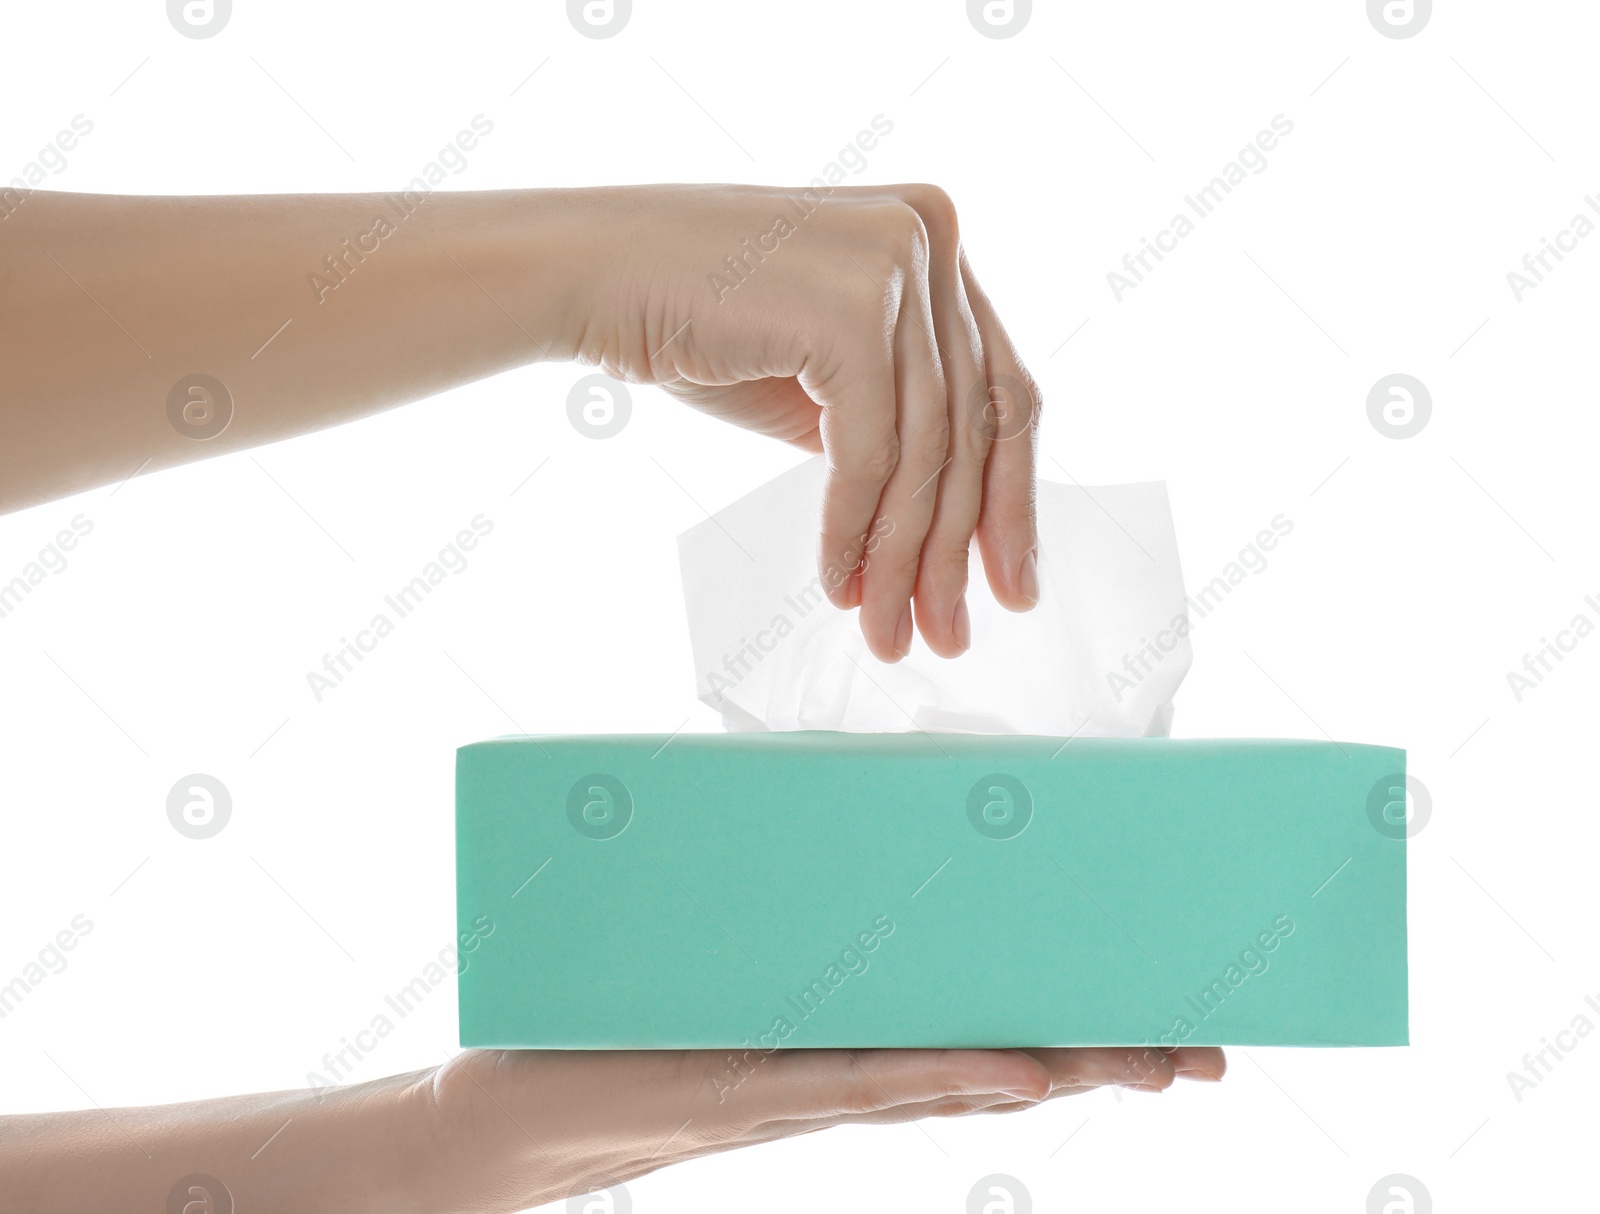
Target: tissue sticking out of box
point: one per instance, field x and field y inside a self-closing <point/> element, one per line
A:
<point x="1101" y="655"/>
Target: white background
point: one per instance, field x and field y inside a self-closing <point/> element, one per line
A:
<point x="1418" y="573"/>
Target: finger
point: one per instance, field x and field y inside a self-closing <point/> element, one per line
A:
<point x="1145" y="1067"/>
<point x="941" y="606"/>
<point x="1206" y="1063"/>
<point x="1008" y="533"/>
<point x="950" y="1106"/>
<point x="1018" y="1106"/>
<point x="807" y="1084"/>
<point x="861" y="441"/>
<point x="906" y="510"/>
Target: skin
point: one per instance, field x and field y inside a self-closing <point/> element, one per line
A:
<point x="862" y="334"/>
<point x="494" y="1131"/>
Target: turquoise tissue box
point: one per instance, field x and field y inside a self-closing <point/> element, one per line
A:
<point x="812" y="889"/>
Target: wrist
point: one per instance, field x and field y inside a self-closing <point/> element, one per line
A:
<point x="426" y="1153"/>
<point x="371" y="1147"/>
<point x="532" y="257"/>
<point x="593" y="256"/>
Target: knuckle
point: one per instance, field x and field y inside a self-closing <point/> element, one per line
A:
<point x="945" y="563"/>
<point x="933" y="447"/>
<point x="1151" y="1067"/>
<point x="858" y="1102"/>
<point x="875" y="463"/>
<point x="1014" y="404"/>
<point x="899" y="231"/>
<point x="1035" y="396"/>
<point x="864" y="296"/>
<point x="861" y="1094"/>
<point x="971" y="441"/>
<point x="1030" y="388"/>
<point x="900" y="563"/>
<point x="938" y="212"/>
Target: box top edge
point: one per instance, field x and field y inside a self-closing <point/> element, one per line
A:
<point x="844" y="740"/>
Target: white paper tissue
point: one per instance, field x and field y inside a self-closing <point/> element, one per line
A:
<point x="1100" y="656"/>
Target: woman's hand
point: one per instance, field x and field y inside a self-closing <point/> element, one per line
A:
<point x="493" y="1131"/>
<point x="534" y="1126"/>
<point x="851" y="324"/>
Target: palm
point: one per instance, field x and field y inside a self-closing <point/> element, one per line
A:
<point x="554" y="1123"/>
<point x="777" y="407"/>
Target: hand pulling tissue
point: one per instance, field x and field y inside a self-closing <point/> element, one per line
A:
<point x="1099" y="656"/>
<point x="998" y="850"/>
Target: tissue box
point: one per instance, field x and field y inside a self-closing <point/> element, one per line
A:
<point x="801" y="890"/>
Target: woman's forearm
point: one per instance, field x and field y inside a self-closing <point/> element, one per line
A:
<point x="372" y="1147"/>
<point x="137" y="333"/>
<point x="309" y="310"/>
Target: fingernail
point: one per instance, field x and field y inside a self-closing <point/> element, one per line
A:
<point x="1201" y="1076"/>
<point x="902" y="632"/>
<point x="961" y="624"/>
<point x="1028" y="1096"/>
<point x="1142" y="1087"/>
<point x="1028" y="578"/>
<point x="852" y="590"/>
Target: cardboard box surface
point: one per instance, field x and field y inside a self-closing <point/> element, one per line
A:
<point x="817" y="889"/>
